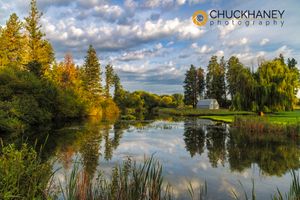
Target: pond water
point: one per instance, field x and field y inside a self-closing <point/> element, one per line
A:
<point x="191" y="151"/>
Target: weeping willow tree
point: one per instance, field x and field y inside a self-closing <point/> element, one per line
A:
<point x="273" y="87"/>
<point x="277" y="85"/>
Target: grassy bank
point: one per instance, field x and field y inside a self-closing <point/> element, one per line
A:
<point x="225" y="115"/>
<point x="281" y="118"/>
<point x="222" y="115"/>
<point x="201" y="112"/>
<point x="263" y="126"/>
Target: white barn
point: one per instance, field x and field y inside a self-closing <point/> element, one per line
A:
<point x="208" y="104"/>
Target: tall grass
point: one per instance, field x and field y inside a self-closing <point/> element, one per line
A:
<point x="261" y="126"/>
<point x="24" y="176"/>
<point x="22" y="173"/>
<point x="294" y="192"/>
<point x="246" y="197"/>
<point x="201" y="194"/>
<point x="128" y="181"/>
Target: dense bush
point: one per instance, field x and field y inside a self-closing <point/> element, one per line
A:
<point x="26" y="100"/>
<point x="22" y="174"/>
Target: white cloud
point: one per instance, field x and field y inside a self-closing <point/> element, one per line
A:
<point x="180" y="2"/>
<point x="236" y="42"/>
<point x="219" y="53"/>
<point x="203" y="49"/>
<point x="183" y="29"/>
<point x="284" y="50"/>
<point x="131" y="4"/>
<point x="264" y="41"/>
<point x="226" y="29"/>
<point x="158" y="46"/>
<point x="170" y="43"/>
<point x="91" y="3"/>
<point x="110" y="10"/>
<point x="158" y="3"/>
<point x="139" y="54"/>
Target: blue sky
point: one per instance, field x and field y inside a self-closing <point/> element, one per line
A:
<point x="151" y="43"/>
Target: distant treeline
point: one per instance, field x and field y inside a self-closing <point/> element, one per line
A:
<point x="272" y="87"/>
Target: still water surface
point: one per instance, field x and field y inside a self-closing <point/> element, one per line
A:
<point x="190" y="150"/>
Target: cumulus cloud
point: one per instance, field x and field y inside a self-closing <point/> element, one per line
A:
<point x="203" y="49"/>
<point x="237" y="42"/>
<point x="264" y="41"/>
<point x="157" y="3"/>
<point x="180" y="2"/>
<point x="164" y="73"/>
<point x="139" y="54"/>
<point x="109" y="11"/>
<point x="219" y="53"/>
<point x="117" y="36"/>
<point x="130" y="4"/>
<point x="224" y="30"/>
<point x="142" y="36"/>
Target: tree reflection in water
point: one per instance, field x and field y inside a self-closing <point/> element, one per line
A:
<point x="95" y="140"/>
<point x="241" y="150"/>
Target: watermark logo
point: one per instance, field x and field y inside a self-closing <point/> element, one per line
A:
<point x="200" y="18"/>
<point x="239" y="17"/>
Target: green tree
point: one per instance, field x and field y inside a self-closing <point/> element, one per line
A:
<point x="233" y="69"/>
<point x="278" y="85"/>
<point x="178" y="100"/>
<point x="109" y="79"/>
<point x="244" y="97"/>
<point x="92" y="72"/>
<point x="215" y="80"/>
<point x="69" y="72"/>
<point x="12" y="42"/>
<point x="291" y="62"/>
<point x="191" y="91"/>
<point x="201" y="82"/>
<point x="119" y="93"/>
<point x="38" y="49"/>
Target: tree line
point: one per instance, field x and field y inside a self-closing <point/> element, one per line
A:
<point x="272" y="87"/>
<point x="35" y="89"/>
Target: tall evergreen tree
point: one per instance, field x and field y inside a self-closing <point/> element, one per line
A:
<point x="92" y="72"/>
<point x="109" y="79"/>
<point x="221" y="79"/>
<point x="215" y="80"/>
<point x="39" y="51"/>
<point x="291" y="62"/>
<point x="233" y="69"/>
<point x="12" y="42"/>
<point x="119" y="93"/>
<point x="201" y="82"/>
<point x="191" y="85"/>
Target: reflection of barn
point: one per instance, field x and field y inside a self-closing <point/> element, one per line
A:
<point x="208" y="104"/>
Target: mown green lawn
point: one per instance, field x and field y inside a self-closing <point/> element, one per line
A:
<point x="289" y="117"/>
<point x="201" y="112"/>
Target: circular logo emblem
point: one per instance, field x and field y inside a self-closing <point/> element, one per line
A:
<point x="200" y="18"/>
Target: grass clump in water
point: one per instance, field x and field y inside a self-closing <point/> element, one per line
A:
<point x="128" y="181"/>
<point x="262" y="126"/>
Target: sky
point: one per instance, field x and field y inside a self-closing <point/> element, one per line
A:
<point x="151" y="43"/>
